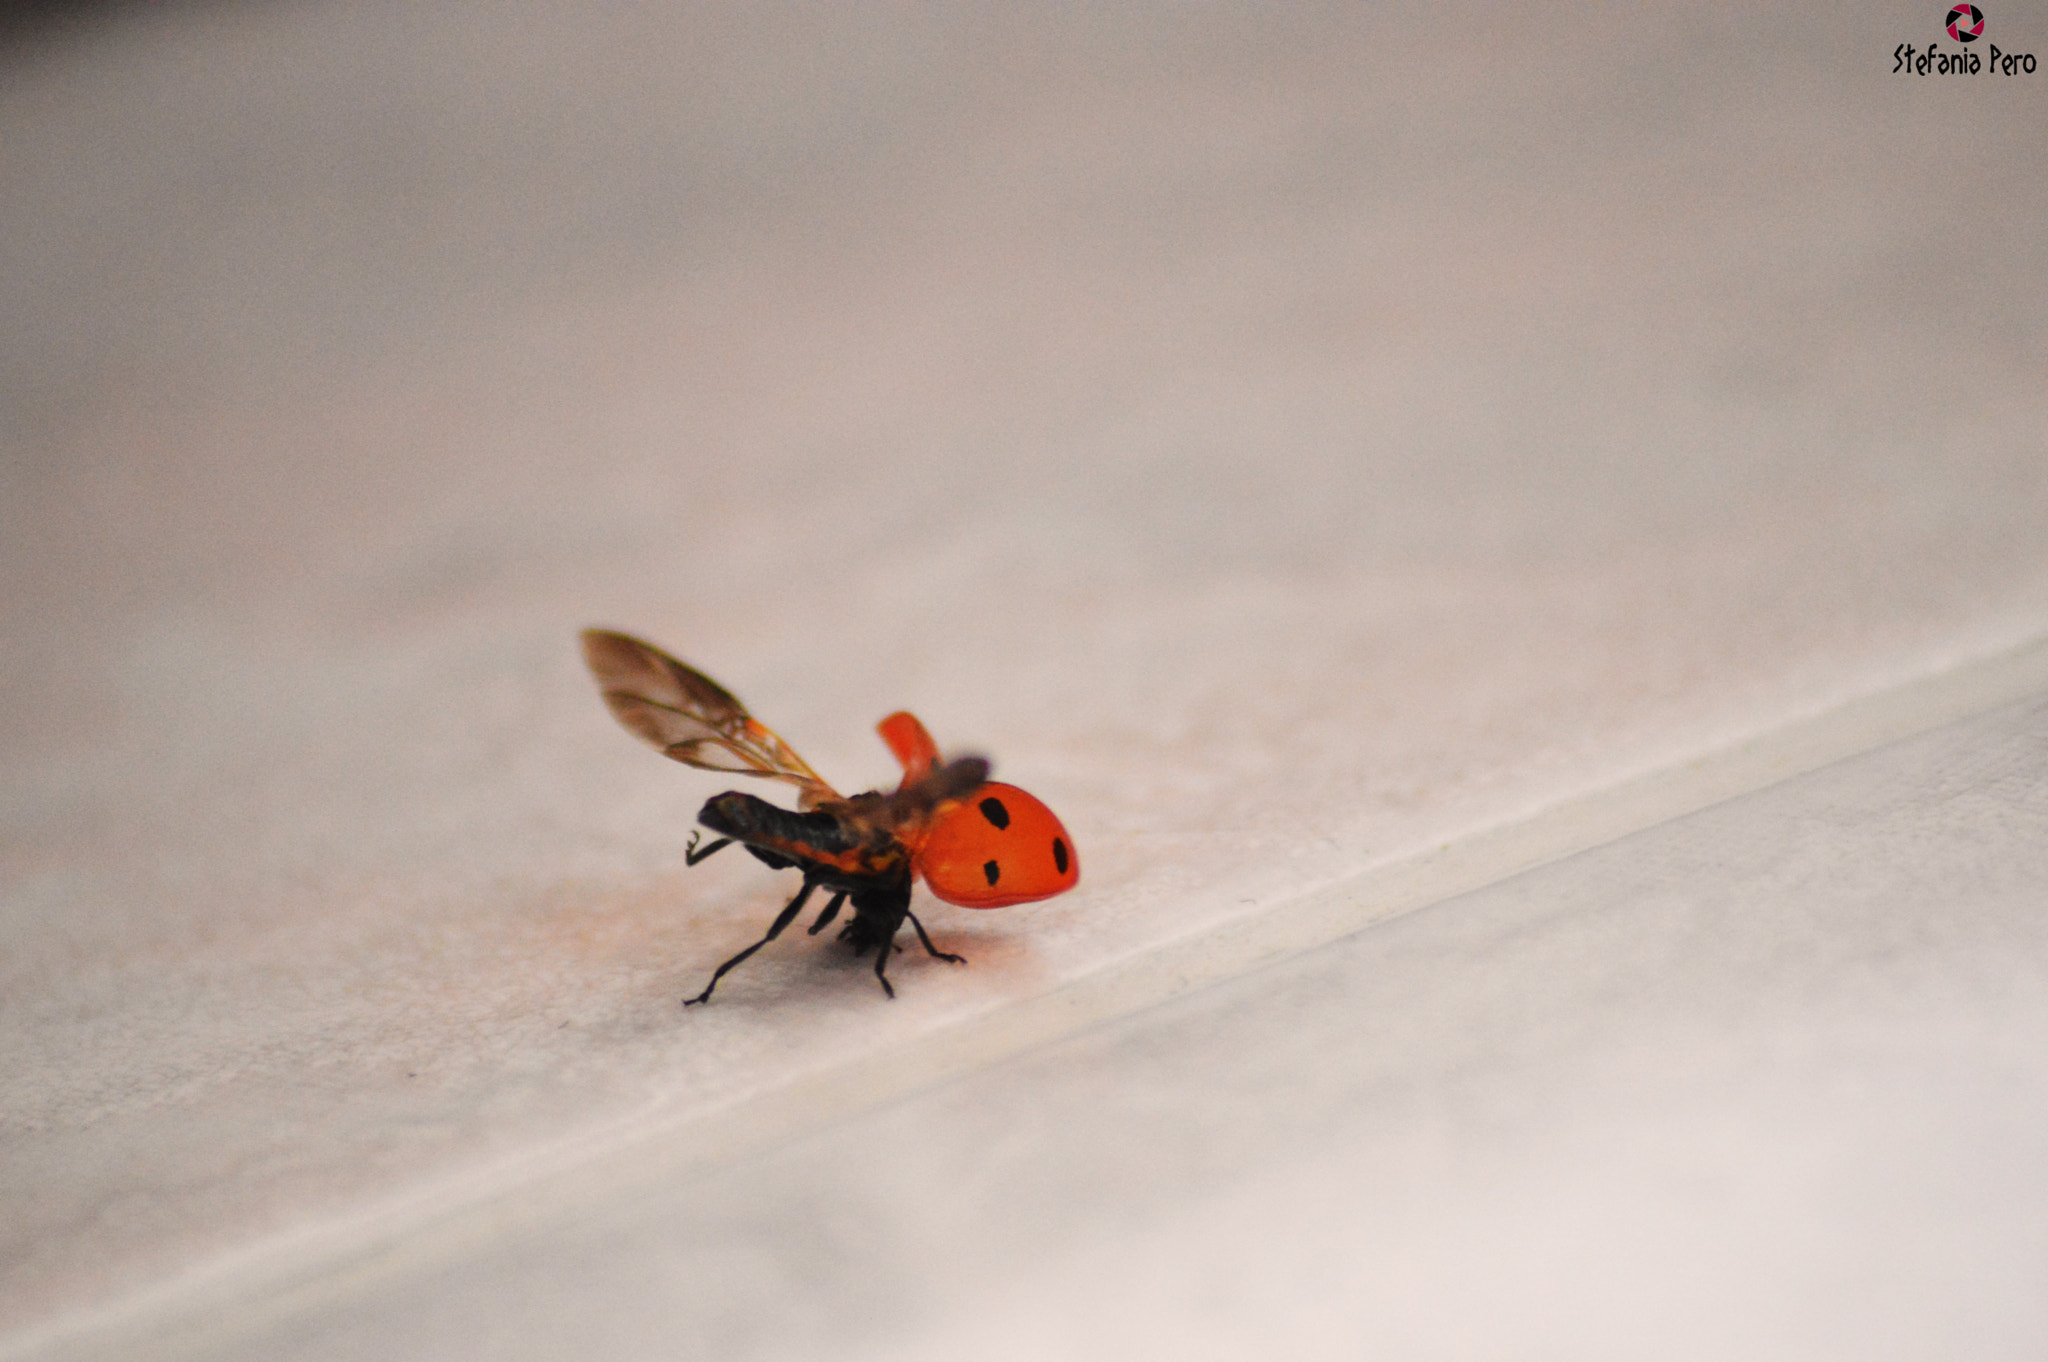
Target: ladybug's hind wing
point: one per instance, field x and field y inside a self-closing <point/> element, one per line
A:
<point x="905" y="812"/>
<point x="690" y="717"/>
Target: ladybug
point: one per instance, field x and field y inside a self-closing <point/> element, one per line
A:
<point x="975" y="843"/>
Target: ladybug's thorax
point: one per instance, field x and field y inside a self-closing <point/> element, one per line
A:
<point x="998" y="846"/>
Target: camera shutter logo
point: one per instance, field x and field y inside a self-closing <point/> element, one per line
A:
<point x="1966" y="23"/>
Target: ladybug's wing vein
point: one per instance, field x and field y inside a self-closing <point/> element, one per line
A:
<point x="690" y="717"/>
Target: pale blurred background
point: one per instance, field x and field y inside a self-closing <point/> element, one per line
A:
<point x="1289" y="439"/>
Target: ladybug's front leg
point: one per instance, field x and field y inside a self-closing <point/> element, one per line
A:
<point x="876" y="919"/>
<point x="879" y="907"/>
<point x="885" y="948"/>
<point x="929" y="949"/>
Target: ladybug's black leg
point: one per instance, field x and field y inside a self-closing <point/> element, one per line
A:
<point x="929" y="949"/>
<point x="782" y="919"/>
<point x="691" y="855"/>
<point x="881" y="968"/>
<point x="885" y="925"/>
<point x="831" y="911"/>
<point x="879" y="904"/>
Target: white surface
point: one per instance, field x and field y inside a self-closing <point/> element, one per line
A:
<point x="1287" y="446"/>
<point x="1767" y="1081"/>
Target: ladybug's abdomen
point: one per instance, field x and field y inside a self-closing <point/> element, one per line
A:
<point x="820" y="836"/>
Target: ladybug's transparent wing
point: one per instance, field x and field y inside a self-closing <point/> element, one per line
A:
<point x="690" y="717"/>
<point x="905" y="812"/>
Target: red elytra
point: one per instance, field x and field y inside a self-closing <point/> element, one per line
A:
<point x="998" y="846"/>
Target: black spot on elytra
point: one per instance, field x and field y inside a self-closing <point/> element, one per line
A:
<point x="1059" y="855"/>
<point x="993" y="871"/>
<point x="992" y="809"/>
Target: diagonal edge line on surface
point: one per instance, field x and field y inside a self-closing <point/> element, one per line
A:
<point x="299" y="1274"/>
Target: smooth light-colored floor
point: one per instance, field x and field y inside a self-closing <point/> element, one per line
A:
<point x="1295" y="446"/>
<point x="1766" y="1080"/>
